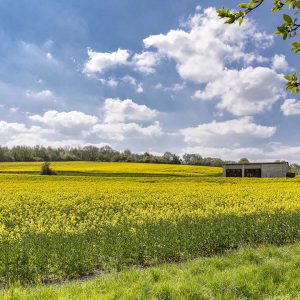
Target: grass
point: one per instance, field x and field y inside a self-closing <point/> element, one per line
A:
<point x="263" y="273"/>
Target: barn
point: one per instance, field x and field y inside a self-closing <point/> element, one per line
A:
<point x="259" y="170"/>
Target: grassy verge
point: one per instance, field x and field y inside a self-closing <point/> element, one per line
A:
<point x="263" y="273"/>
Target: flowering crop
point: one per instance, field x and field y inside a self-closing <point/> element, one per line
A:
<point x="67" y="226"/>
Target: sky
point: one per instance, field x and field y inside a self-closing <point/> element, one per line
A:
<point x="146" y="75"/>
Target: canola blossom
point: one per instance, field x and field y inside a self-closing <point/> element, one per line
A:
<point x="99" y="216"/>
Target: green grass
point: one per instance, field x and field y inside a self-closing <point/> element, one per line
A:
<point x="263" y="273"/>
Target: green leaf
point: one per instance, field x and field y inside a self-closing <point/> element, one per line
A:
<point x="230" y="21"/>
<point x="288" y="77"/>
<point x="243" y="5"/>
<point x="294" y="89"/>
<point x="288" y="19"/>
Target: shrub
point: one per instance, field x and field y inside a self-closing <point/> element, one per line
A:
<point x="46" y="169"/>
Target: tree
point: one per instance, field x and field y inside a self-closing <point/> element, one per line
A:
<point x="288" y="29"/>
<point x="46" y="169"/>
<point x="244" y="160"/>
<point x="192" y="159"/>
<point x="171" y="158"/>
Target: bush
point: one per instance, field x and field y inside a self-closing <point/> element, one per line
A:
<point x="46" y="169"/>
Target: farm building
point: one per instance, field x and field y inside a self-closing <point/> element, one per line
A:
<point x="260" y="170"/>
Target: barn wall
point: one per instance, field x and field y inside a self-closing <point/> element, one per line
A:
<point x="274" y="170"/>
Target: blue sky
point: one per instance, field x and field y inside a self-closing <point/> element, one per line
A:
<point x="146" y="75"/>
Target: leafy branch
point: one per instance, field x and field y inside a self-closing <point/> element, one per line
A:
<point x="288" y="29"/>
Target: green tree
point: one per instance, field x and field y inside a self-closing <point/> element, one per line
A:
<point x="244" y="160"/>
<point x="287" y="30"/>
<point x="46" y="169"/>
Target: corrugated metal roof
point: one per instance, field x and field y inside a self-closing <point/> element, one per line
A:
<point x="256" y="163"/>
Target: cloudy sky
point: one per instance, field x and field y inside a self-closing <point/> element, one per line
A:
<point x="146" y="75"/>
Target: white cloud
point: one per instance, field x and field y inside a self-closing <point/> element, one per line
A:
<point x="73" y="123"/>
<point x="120" y="119"/>
<point x="111" y="82"/>
<point x="291" y="107"/>
<point x="14" y="109"/>
<point x="137" y="85"/>
<point x="207" y="51"/>
<point x="102" y="61"/>
<point x="230" y="132"/>
<point x="226" y="153"/>
<point x="120" y="131"/>
<point x="177" y="87"/>
<point x="244" y="92"/>
<point x="203" y="52"/>
<point x="268" y="152"/>
<point x="49" y="56"/>
<point x="116" y="110"/>
<point x="145" y="62"/>
<point x="65" y="119"/>
<point x="279" y="63"/>
<point x="11" y="128"/>
<point x="262" y="39"/>
<point x="12" y="134"/>
<point x="158" y="86"/>
<point x="41" y="95"/>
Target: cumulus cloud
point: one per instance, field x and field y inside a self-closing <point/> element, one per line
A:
<point x="111" y="82"/>
<point x="268" y="152"/>
<point x="65" y="119"/>
<point x="13" y="133"/>
<point x="226" y="153"/>
<point x="102" y="61"/>
<point x="122" y="119"/>
<point x="40" y="95"/>
<point x="290" y="107"/>
<point x="116" y="110"/>
<point x="73" y="123"/>
<point x="132" y="81"/>
<point x="279" y="63"/>
<point x="208" y="52"/>
<point x="230" y="132"/>
<point x="11" y="128"/>
<point x="203" y="51"/>
<point x="244" y="92"/>
<point x="120" y="131"/>
<point x="145" y="62"/>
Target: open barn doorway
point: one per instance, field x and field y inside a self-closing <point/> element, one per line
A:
<point x="253" y="173"/>
<point x="234" y="173"/>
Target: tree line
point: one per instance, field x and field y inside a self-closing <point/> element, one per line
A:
<point x="103" y="154"/>
<point x="108" y="154"/>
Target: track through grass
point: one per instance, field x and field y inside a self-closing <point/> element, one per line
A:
<point x="264" y="273"/>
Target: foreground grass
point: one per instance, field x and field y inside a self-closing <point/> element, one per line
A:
<point x="264" y="273"/>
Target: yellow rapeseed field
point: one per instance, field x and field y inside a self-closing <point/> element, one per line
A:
<point x="111" y="167"/>
<point x="118" y="214"/>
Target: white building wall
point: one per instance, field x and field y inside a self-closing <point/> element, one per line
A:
<point x="274" y="170"/>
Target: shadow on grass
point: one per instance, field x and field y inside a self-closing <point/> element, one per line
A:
<point x="111" y="174"/>
<point x="44" y="257"/>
